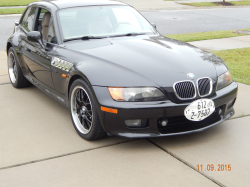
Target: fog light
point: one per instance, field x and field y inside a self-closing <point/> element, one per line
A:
<point x="133" y="123"/>
<point x="136" y="123"/>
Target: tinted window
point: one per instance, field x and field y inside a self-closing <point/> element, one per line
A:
<point x="29" y="19"/>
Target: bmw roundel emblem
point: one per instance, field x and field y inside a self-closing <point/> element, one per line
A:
<point x="191" y="75"/>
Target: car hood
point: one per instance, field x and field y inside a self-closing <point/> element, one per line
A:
<point x="143" y="61"/>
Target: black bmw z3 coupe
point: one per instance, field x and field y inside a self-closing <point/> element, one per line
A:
<point x="114" y="71"/>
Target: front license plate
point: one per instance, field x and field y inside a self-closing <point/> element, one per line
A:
<point x="199" y="109"/>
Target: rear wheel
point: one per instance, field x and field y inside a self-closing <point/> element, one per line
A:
<point x="15" y="73"/>
<point x="83" y="111"/>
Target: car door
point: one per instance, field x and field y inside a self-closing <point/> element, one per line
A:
<point x="38" y="58"/>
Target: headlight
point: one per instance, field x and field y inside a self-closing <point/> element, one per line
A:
<point x="224" y="80"/>
<point x="136" y="94"/>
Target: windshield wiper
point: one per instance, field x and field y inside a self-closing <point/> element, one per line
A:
<point x="101" y="37"/>
<point x="84" y="38"/>
<point x="129" y="34"/>
<point x="92" y="37"/>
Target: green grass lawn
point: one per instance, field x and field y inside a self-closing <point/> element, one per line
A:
<point x="207" y="4"/>
<point x="12" y="11"/>
<point x="238" y="62"/>
<point x="197" y="36"/>
<point x="15" y="2"/>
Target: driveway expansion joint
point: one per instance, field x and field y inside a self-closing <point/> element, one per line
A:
<point x="238" y="39"/>
<point x="187" y="164"/>
<point x="4" y="83"/>
<point x="64" y="155"/>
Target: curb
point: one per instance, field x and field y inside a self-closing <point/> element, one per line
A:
<point x="9" y="15"/>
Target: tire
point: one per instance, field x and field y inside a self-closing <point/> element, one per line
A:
<point x="15" y="73"/>
<point x="83" y="111"/>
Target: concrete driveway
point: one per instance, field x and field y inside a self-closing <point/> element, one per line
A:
<point x="39" y="147"/>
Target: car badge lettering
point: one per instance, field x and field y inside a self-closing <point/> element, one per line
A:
<point x="191" y="75"/>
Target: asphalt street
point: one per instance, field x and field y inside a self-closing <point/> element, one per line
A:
<point x="188" y="21"/>
<point x="172" y="22"/>
<point x="6" y="29"/>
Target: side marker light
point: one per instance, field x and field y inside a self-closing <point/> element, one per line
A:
<point x="105" y="109"/>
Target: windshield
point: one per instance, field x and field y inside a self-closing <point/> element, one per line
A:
<point x="102" y="21"/>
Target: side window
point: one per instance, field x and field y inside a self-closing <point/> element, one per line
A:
<point x="51" y="34"/>
<point x="40" y="19"/>
<point x="29" y="19"/>
<point x="45" y="25"/>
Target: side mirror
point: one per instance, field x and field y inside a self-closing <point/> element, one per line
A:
<point x="16" y="23"/>
<point x="35" y="36"/>
<point x="154" y="25"/>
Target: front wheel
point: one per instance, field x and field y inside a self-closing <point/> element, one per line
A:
<point x="83" y="111"/>
<point x="15" y="73"/>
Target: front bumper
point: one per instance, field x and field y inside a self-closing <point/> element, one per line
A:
<point x="153" y="112"/>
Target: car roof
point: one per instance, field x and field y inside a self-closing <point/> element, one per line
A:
<point x="60" y="4"/>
